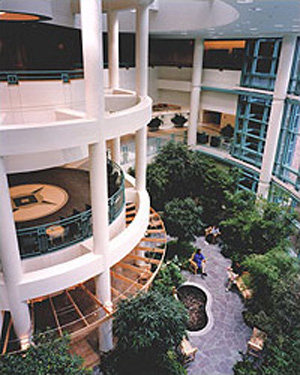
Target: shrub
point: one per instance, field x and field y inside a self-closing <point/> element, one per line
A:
<point x="148" y="329"/>
<point x="183" y="219"/>
<point x="168" y="277"/>
<point x="256" y="230"/>
<point x="49" y="355"/>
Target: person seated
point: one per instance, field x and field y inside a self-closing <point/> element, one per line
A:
<point x="200" y="260"/>
<point x="211" y="234"/>
<point x="232" y="277"/>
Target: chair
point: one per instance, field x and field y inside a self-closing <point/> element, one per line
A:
<point x="193" y="265"/>
<point x="256" y="342"/>
<point x="187" y="350"/>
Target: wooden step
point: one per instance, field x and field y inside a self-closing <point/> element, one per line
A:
<point x="130" y="205"/>
<point x="83" y="349"/>
<point x="151" y="249"/>
<point x="126" y="279"/>
<point x="143" y="259"/>
<point x="149" y="231"/>
<point x="133" y="268"/>
<point x="153" y="239"/>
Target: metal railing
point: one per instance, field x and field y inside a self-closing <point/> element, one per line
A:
<point x="46" y="238"/>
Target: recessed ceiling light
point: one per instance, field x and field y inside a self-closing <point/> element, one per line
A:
<point x="244" y="1"/>
<point x="211" y="28"/>
<point x="296" y="26"/>
<point x="183" y="33"/>
<point x="255" y="9"/>
<point x="278" y="25"/>
<point x="133" y="10"/>
<point x="253" y="28"/>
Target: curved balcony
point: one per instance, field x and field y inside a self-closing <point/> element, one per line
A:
<point x="77" y="309"/>
<point x="59" y="234"/>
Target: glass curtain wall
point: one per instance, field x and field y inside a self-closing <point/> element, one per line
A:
<point x="261" y="63"/>
<point x="251" y="128"/>
<point x="287" y="166"/>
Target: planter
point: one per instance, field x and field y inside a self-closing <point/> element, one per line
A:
<point x="154" y="124"/>
<point x="215" y="141"/>
<point x="178" y="121"/>
<point x="202" y="138"/>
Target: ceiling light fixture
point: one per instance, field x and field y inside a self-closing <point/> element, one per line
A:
<point x="244" y="1"/>
<point x="9" y="16"/>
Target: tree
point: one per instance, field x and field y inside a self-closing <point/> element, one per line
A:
<point x="183" y="219"/>
<point x="49" y="355"/>
<point x="148" y="329"/>
<point x="256" y="230"/>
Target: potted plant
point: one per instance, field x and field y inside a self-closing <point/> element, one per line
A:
<point x="202" y="138"/>
<point x="178" y="120"/>
<point x="154" y="124"/>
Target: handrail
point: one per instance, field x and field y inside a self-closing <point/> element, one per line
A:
<point x="59" y="234"/>
<point x="14" y="76"/>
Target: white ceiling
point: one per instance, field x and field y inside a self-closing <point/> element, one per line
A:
<point x="254" y="18"/>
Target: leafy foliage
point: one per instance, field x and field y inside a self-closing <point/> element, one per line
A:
<point x="276" y="310"/>
<point x="178" y="172"/>
<point x="180" y="250"/>
<point x="49" y="355"/>
<point x="168" y="277"/>
<point x="148" y="328"/>
<point x="183" y="219"/>
<point x="150" y="321"/>
<point x="256" y="230"/>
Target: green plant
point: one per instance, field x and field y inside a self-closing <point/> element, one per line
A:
<point x="148" y="328"/>
<point x="168" y="277"/>
<point x="183" y="219"/>
<point x="180" y="250"/>
<point x="256" y="230"/>
<point x="49" y="355"/>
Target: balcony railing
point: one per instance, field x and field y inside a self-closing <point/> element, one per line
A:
<point x="46" y="238"/>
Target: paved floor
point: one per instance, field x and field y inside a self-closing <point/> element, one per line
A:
<point x="219" y="348"/>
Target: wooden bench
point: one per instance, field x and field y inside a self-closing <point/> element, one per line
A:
<point x="256" y="342"/>
<point x="187" y="350"/>
<point x="245" y="292"/>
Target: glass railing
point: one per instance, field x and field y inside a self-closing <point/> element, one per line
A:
<point x="13" y="77"/>
<point x="46" y="238"/>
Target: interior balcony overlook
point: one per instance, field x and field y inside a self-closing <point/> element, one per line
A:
<point x="52" y="208"/>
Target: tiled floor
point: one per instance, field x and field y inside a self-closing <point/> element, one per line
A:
<point x="219" y="348"/>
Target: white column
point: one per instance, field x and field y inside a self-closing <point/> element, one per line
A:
<point x="11" y="262"/>
<point x="195" y="93"/>
<point x="113" y="71"/>
<point x="91" y="17"/>
<point x="116" y="150"/>
<point x="276" y="114"/>
<point x="142" y="41"/>
<point x="113" y="49"/>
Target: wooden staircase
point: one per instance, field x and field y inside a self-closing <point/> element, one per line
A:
<point x="78" y="310"/>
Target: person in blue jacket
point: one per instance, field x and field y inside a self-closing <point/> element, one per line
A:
<point x="199" y="258"/>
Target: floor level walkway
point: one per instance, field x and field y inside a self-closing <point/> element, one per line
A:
<point x="218" y="348"/>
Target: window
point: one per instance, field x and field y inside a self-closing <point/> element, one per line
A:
<point x="261" y="62"/>
<point x="294" y="87"/>
<point x="251" y="128"/>
<point x="287" y="165"/>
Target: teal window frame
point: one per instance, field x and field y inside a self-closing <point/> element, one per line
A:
<point x="294" y="85"/>
<point x="290" y="130"/>
<point x="251" y="76"/>
<point x="251" y="128"/>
